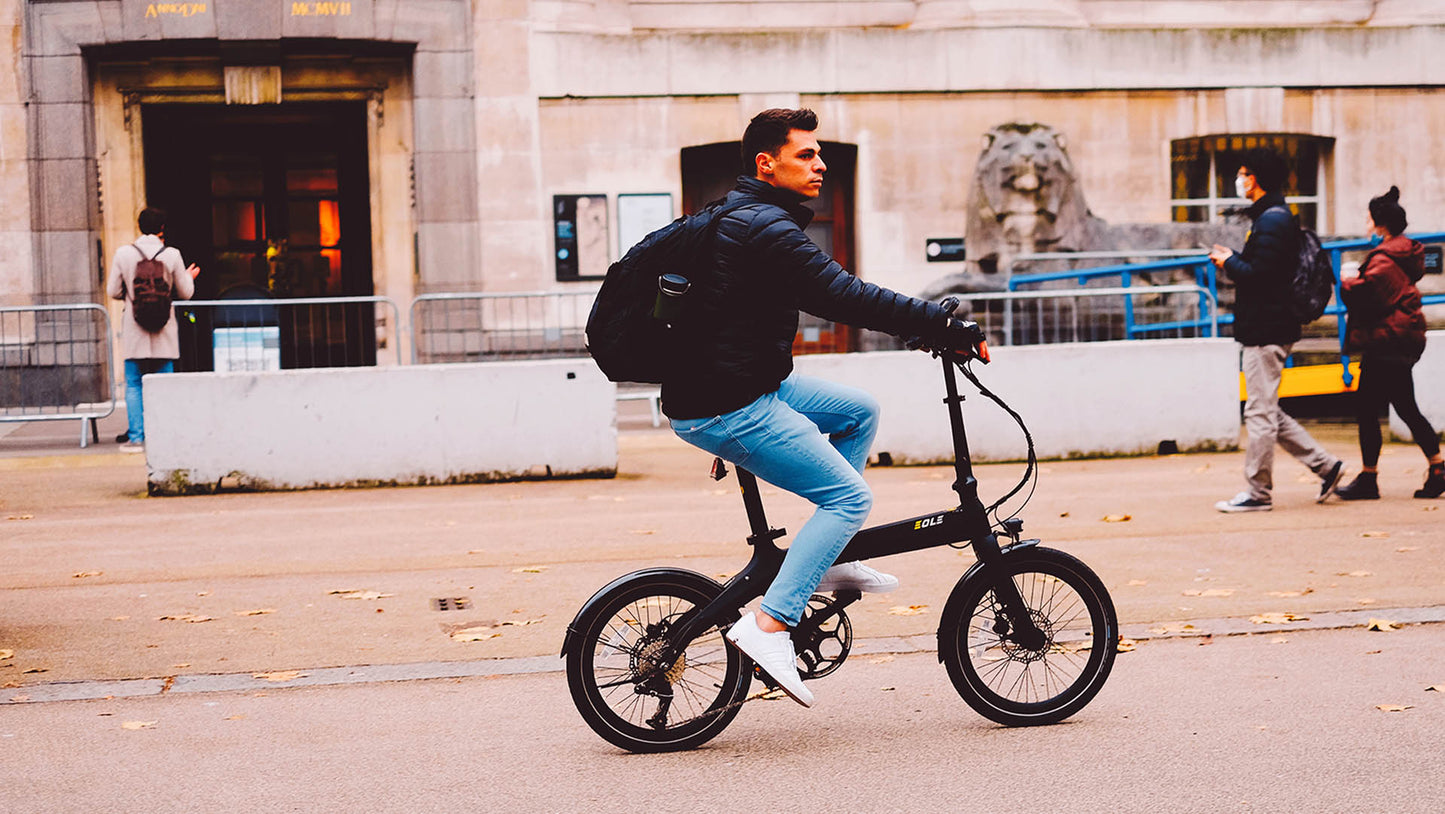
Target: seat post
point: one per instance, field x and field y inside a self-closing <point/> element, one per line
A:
<point x="753" y="502"/>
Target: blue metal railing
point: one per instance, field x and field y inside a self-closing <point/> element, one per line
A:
<point x="1205" y="277"/>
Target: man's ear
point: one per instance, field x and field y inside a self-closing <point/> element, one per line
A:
<point x="763" y="163"/>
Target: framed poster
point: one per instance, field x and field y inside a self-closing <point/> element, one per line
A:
<point x="639" y="214"/>
<point x="581" y="236"/>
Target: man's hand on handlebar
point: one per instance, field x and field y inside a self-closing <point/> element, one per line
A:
<point x="965" y="337"/>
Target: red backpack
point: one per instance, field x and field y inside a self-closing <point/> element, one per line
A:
<point x="150" y="301"/>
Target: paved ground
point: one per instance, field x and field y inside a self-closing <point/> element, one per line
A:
<point x="279" y="632"/>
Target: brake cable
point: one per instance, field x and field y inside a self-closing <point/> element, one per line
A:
<point x="1031" y="471"/>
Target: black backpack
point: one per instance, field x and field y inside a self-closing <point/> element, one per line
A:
<point x="1312" y="280"/>
<point x="150" y="296"/>
<point x="631" y="331"/>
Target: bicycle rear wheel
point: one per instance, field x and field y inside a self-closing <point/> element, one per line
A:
<point x="621" y="687"/>
<point x="1018" y="685"/>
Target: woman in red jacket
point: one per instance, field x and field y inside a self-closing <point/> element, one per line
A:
<point x="1387" y="329"/>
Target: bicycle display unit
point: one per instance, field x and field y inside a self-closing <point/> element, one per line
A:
<point x="1028" y="634"/>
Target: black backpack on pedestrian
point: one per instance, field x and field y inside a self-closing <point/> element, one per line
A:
<point x="1312" y="280"/>
<point x="150" y="295"/>
<point x="632" y="330"/>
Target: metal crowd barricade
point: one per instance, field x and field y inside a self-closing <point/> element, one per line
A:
<point x="488" y="327"/>
<point x="232" y="335"/>
<point x="55" y="365"/>
<point x="1055" y="315"/>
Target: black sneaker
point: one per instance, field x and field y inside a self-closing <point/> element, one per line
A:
<point x="1242" y="502"/>
<point x="1365" y="486"/>
<point x="123" y="437"/>
<point x="1331" y="481"/>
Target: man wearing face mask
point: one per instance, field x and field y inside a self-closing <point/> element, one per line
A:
<point x="1266" y="330"/>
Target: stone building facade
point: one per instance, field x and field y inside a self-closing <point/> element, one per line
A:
<point x="407" y="146"/>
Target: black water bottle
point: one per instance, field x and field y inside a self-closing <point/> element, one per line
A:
<point x="671" y="288"/>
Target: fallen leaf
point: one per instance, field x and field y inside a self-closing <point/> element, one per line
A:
<point x="907" y="610"/>
<point x="1374" y="534"/>
<point x="475" y="634"/>
<point x="359" y="594"/>
<point x="1276" y="618"/>
<point x="183" y="665"/>
<point x="134" y="725"/>
<point x="203" y="593"/>
<point x="1063" y="514"/>
<point x="7" y="654"/>
<point x="1394" y="707"/>
<point x="1366" y="601"/>
<point x="85" y="574"/>
<point x="883" y="659"/>
<point x="256" y="612"/>
<point x="1383" y="625"/>
<point x="1431" y="508"/>
<point x="187" y="617"/>
<point x="1435" y="688"/>
<point x="1138" y="582"/>
<point x="888" y="689"/>
<point x="530" y="569"/>
<point x="279" y="675"/>
<point x="1354" y="573"/>
<point x="20" y="517"/>
<point x="1212" y="592"/>
<point x="1117" y="518"/>
<point x="234" y="718"/>
<point x="1292" y="593"/>
<point x="1126" y="645"/>
<point x="19" y="699"/>
<point x="643" y="531"/>
<point x="38" y="670"/>
<point x="1280" y="640"/>
<point x="119" y="618"/>
<point x="1162" y="630"/>
<point x="1404" y="548"/>
<point x="515" y="623"/>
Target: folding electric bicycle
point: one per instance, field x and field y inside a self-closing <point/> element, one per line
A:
<point x="1028" y="634"/>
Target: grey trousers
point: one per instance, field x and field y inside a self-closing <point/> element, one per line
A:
<point x="1268" y="425"/>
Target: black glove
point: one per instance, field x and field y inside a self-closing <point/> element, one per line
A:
<point x="961" y="335"/>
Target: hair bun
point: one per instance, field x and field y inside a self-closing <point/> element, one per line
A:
<point x="1393" y="196"/>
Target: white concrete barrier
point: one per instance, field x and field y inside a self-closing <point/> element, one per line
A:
<point x="1085" y="399"/>
<point x="1429" y="376"/>
<point x="299" y="429"/>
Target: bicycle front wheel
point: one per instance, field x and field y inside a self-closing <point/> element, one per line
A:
<point x="622" y="688"/>
<point x="1038" y="682"/>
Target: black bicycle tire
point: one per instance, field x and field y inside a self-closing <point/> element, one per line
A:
<point x="1103" y="629"/>
<point x="589" y="698"/>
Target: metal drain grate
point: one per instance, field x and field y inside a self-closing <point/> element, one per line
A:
<point x="451" y="603"/>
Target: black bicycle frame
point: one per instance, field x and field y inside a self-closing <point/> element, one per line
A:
<point x="969" y="521"/>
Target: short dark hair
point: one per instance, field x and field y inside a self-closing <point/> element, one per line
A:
<point x="1386" y="211"/>
<point x="768" y="132"/>
<point x="152" y="221"/>
<point x="1267" y="168"/>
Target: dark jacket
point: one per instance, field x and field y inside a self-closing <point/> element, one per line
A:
<point x="766" y="270"/>
<point x="1385" y="318"/>
<point x="1261" y="273"/>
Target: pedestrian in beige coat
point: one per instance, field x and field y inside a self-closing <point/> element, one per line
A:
<point x="147" y="352"/>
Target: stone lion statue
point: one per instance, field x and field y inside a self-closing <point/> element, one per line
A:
<point x="1025" y="197"/>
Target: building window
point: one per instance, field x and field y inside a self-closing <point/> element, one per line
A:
<point x="1203" y="170"/>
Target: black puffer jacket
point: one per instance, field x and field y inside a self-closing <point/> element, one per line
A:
<point x="746" y="311"/>
<point x="1261" y="273"/>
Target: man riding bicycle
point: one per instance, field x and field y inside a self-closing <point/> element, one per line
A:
<point x="739" y="399"/>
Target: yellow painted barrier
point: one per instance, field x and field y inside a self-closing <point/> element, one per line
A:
<point x="1312" y="380"/>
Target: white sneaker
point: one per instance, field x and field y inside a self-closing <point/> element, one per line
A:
<point x="774" y="653"/>
<point x="856" y="576"/>
<point x="132" y="447"/>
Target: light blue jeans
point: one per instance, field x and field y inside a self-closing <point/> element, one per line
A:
<point x="811" y="437"/>
<point x="134" y="403"/>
